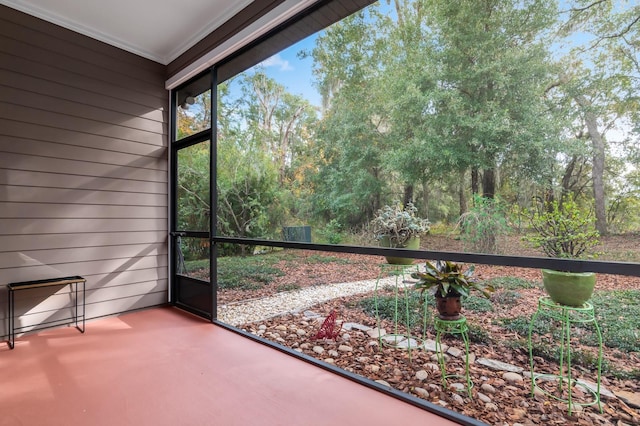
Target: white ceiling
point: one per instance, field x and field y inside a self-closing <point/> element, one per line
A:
<point x="159" y="30"/>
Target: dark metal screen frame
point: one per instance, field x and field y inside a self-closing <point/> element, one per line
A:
<point x="570" y="265"/>
<point x="175" y="145"/>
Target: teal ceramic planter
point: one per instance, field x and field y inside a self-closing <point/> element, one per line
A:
<point x="569" y="288"/>
<point x="412" y="243"/>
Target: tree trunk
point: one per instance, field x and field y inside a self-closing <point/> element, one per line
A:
<point x="425" y="197"/>
<point x="408" y="195"/>
<point x="488" y="183"/>
<point x="475" y="181"/>
<point x="461" y="195"/>
<point x="597" y="144"/>
<point x="566" y="178"/>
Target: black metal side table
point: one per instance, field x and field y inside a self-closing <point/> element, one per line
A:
<point x="73" y="282"/>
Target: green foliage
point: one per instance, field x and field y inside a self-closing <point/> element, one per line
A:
<point x="248" y="194"/>
<point x="193" y="198"/>
<point x="477" y="304"/>
<point x="398" y="223"/>
<point x="317" y="258"/>
<point x="478" y="334"/>
<point x="197" y="264"/>
<point x="349" y="181"/>
<point x="627" y="200"/>
<point x="332" y="232"/>
<point x="506" y="297"/>
<point x="483" y="227"/>
<point x="579" y="357"/>
<point x="193" y="118"/>
<point x="193" y="188"/>
<point x="633" y="374"/>
<point x="448" y="279"/>
<point x="246" y="273"/>
<point x="287" y="287"/>
<point x="415" y="100"/>
<point x="390" y="308"/>
<point x="263" y="139"/>
<point x="486" y="112"/>
<point x="618" y="314"/>
<point x="512" y="283"/>
<point x="190" y="266"/>
<point x="562" y="229"/>
<point x="520" y="325"/>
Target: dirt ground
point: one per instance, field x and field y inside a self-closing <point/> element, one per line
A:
<point x="510" y="403"/>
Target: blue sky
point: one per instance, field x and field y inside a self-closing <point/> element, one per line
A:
<point x="287" y="69"/>
<point x="294" y="73"/>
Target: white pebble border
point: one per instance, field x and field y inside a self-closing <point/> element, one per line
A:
<point x="298" y="300"/>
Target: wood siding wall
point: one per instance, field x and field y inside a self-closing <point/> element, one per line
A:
<point x="83" y="170"/>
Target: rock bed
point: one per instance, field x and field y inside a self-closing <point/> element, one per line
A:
<point x="501" y="391"/>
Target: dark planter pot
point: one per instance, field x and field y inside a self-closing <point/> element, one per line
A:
<point x="449" y="307"/>
<point x="412" y="243"/>
<point x="569" y="288"/>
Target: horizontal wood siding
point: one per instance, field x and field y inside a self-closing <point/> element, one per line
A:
<point x="83" y="172"/>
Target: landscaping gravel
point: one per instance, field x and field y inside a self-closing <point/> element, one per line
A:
<point x="244" y="312"/>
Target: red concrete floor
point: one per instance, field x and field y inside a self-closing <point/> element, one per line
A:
<point x="165" y="367"/>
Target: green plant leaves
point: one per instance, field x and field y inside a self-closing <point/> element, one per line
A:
<point x="448" y="279"/>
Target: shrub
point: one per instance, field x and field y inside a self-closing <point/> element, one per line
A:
<point x="332" y="232"/>
<point x="562" y="229"/>
<point x="483" y="227"/>
<point x="399" y="224"/>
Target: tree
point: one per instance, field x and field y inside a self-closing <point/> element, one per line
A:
<point x="349" y="180"/>
<point x="603" y="79"/>
<point x="261" y="133"/>
<point x="196" y="117"/>
<point x="408" y="88"/>
<point x="494" y="69"/>
<point x="278" y="119"/>
<point x="193" y="209"/>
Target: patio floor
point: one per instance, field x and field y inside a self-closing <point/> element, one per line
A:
<point x="163" y="366"/>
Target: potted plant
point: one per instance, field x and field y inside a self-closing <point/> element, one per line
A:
<point x="564" y="230"/>
<point x="399" y="227"/>
<point x="448" y="282"/>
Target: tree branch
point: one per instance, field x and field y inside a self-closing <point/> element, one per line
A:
<point x="195" y="195"/>
<point x="587" y="7"/>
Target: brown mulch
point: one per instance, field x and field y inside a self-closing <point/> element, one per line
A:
<point x="511" y="403"/>
<point x="306" y="271"/>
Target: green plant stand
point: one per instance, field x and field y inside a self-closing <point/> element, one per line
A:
<point x="566" y="315"/>
<point x="401" y="300"/>
<point x="460" y="327"/>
